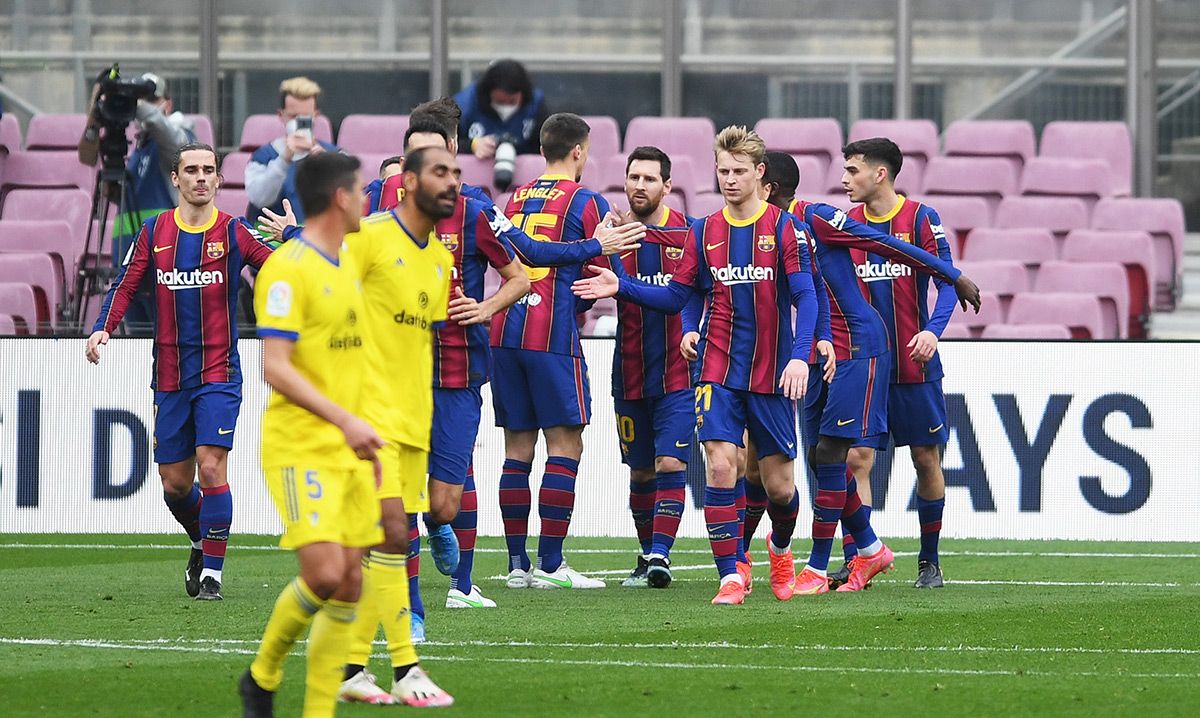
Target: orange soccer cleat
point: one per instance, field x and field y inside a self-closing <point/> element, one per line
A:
<point x="866" y="568"/>
<point x="745" y="570"/>
<point x="783" y="572"/>
<point x="809" y="583"/>
<point x="732" y="593"/>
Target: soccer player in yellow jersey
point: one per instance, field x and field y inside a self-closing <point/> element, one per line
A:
<point x="405" y="274"/>
<point x="316" y="448"/>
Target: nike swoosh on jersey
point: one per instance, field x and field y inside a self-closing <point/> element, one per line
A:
<point x="683" y="445"/>
<point x="711" y="247"/>
<point x="844" y="422"/>
<point x="936" y="429"/>
<point x="162" y="249"/>
<point x="224" y="432"/>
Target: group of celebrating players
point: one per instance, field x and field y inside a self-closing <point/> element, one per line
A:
<point x="376" y="343"/>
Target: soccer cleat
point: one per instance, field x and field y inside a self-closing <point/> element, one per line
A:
<point x="361" y="688"/>
<point x="210" y="590"/>
<point x="637" y="579"/>
<point x="474" y="599"/>
<point x="564" y="577"/>
<point x="929" y="575"/>
<point x="417" y="630"/>
<point x="745" y="570"/>
<point x="783" y="572"/>
<point x="416" y="690"/>
<point x="443" y="546"/>
<point x="257" y="702"/>
<point x="658" y="575"/>
<point x="517" y="578"/>
<point x="191" y="574"/>
<point x="866" y="568"/>
<point x="731" y="593"/>
<point x="809" y="583"/>
<point x="838" y="577"/>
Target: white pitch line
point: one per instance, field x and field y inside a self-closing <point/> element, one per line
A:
<point x="117" y="645"/>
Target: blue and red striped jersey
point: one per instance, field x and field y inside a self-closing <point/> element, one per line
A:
<point x="858" y="330"/>
<point x="647" y="361"/>
<point x="195" y="272"/>
<point x="898" y="293"/>
<point x="549" y="209"/>
<point x="382" y="195"/>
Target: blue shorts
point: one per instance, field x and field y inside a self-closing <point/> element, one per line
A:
<point x="724" y="414"/>
<point x="853" y="406"/>
<point x="655" y="426"/>
<point x="455" y="427"/>
<point x="538" y="390"/>
<point x="187" y="418"/>
<point x="916" y="417"/>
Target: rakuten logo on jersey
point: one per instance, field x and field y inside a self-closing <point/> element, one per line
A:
<point x="749" y="274"/>
<point x="175" y="280"/>
<point x="871" y="272"/>
<point x="661" y="279"/>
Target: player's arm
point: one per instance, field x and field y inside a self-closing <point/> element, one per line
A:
<point x="465" y="310"/>
<point x="265" y="175"/>
<point x="120" y="293"/>
<point x="606" y="240"/>
<point x="823" y="330"/>
<point x="794" y="260"/>
<point x="933" y="239"/>
<point x="670" y="299"/>
<point x="254" y="250"/>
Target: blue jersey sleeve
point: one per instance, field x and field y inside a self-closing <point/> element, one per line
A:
<point x="535" y="253"/>
<point x="834" y="227"/>
<point x="929" y="227"/>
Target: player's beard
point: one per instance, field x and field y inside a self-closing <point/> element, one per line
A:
<point x="435" y="206"/>
<point x="644" y="208"/>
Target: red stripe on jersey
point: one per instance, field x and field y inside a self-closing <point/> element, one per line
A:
<point x="871" y="366"/>
<point x="165" y="246"/>
<point x="718" y="334"/>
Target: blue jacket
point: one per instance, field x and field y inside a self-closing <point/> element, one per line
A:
<point x="478" y="121"/>
<point x="269" y="180"/>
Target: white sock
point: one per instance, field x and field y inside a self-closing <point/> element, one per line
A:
<point x="869" y="551"/>
<point x="819" y="571"/>
<point x="731" y="578"/>
<point x="198" y="545"/>
<point x="776" y="550"/>
<point x="210" y="572"/>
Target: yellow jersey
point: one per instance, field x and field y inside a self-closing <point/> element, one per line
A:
<point x="315" y="301"/>
<point x="406" y="287"/>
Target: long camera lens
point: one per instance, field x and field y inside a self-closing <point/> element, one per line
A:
<point x="506" y="162"/>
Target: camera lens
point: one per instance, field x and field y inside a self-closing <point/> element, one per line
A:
<point x="506" y="162"/>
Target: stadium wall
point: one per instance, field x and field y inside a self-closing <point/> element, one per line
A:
<point x="1064" y="440"/>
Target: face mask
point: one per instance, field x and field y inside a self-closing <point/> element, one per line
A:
<point x="505" y="111"/>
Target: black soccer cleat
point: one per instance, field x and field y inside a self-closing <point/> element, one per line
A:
<point x="929" y="575"/>
<point x="658" y="574"/>
<point x="191" y="574"/>
<point x="210" y="590"/>
<point x="257" y="702"/>
<point x="637" y="579"/>
<point x="838" y="577"/>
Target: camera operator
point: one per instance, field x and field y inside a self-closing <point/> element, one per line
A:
<point x="502" y="106"/>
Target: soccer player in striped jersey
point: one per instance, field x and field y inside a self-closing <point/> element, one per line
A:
<point x="373" y="194"/>
<point x="916" y="407"/>
<point x="750" y="262"/>
<point x="651" y="381"/>
<point x="193" y="255"/>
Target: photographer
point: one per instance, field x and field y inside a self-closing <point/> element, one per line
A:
<point x="501" y="107"/>
<point x="271" y="174"/>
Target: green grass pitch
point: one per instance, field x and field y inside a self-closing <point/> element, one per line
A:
<point x="100" y="626"/>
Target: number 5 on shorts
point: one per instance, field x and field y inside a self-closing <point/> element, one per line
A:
<point x="314" y="486"/>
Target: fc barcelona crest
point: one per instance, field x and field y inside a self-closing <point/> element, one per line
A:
<point x="674" y="252"/>
<point x="904" y="237"/>
<point x="766" y="242"/>
<point x="450" y="241"/>
<point x="215" y="250"/>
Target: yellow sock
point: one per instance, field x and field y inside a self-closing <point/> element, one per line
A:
<point x="366" y="619"/>
<point x="294" y="610"/>
<point x="390" y="575"/>
<point x="326" y="658"/>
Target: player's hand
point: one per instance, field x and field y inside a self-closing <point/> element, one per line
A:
<point x="377" y="470"/>
<point x="620" y="238"/>
<point x="825" y="349"/>
<point x="466" y="311"/>
<point x="687" y="347"/>
<point x="297" y="143"/>
<point x="794" y="380"/>
<point x="923" y="345"/>
<point x="967" y="292"/>
<point x="361" y="437"/>
<point x="602" y="286"/>
<point x="484" y="147"/>
<point x="97" y="340"/>
<point x="276" y="223"/>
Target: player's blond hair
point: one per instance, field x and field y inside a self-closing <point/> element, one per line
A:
<point x="300" y="88"/>
<point x="737" y="140"/>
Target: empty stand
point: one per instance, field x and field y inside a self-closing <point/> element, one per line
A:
<point x="259" y="130"/>
<point x="36" y="269"/>
<point x="1027" y="331"/>
<point x="1163" y="219"/>
<point x="382" y="134"/>
<point x="1087" y="179"/>
<point x="679" y="137"/>
<point x="989" y="178"/>
<point x="960" y="215"/>
<point x="1005" y="277"/>
<point x="10" y="133"/>
<point x="817" y="137"/>
<point x="1104" y="280"/>
<point x="8" y="327"/>
<point x="52" y="237"/>
<point x="233" y="169"/>
<point x="55" y="132"/>
<point x="705" y="203"/>
<point x="1134" y="251"/>
<point x="956" y="331"/>
<point x="1108" y="142"/>
<point x="70" y="205"/>
<point x="604" y="139"/>
<point x="17" y="300"/>
<point x="1029" y="246"/>
<point x="50" y="168"/>
<point x="1057" y="214"/>
<point x="1081" y="313"/>
<point x="991" y="311"/>
<point x="233" y="201"/>
<point x="812" y="173"/>
<point x="203" y="128"/>
<point x="1012" y="140"/>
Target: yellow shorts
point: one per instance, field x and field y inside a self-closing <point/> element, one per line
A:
<point x="404" y="470"/>
<point x="326" y="505"/>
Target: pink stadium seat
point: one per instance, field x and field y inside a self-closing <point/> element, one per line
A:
<point x="203" y="128"/>
<point x="959" y="216"/>
<point x="1079" y="312"/>
<point x="233" y="169"/>
<point x="1108" y="142"/>
<point x="1029" y="246"/>
<point x="987" y="177"/>
<point x="1005" y="277"/>
<point x="70" y="205"/>
<point x="1105" y="280"/>
<point x="956" y="331"/>
<point x="818" y="137"/>
<point x="233" y="201"/>
<point x="370" y="163"/>
<point x="612" y="173"/>
<point x="991" y="311"/>
<point x="1012" y="140"/>
<point x="1057" y="214"/>
<point x="259" y="130"/>
<point x="52" y="237"/>
<point x="10" y="133"/>
<point x="55" y="132"/>
<point x="1134" y="251"/>
<point x="18" y="301"/>
<point x="605" y="138"/>
<point x="382" y="134"/>
<point x="1087" y="179"/>
<point x="1026" y="331"/>
<point x="915" y="138"/>
<point x="1163" y="219"/>
<point x="616" y="200"/>
<point x="530" y="167"/>
<point x="687" y="177"/>
<point x="812" y="173"/>
<point x="677" y="202"/>
<point x="840" y="200"/>
<point x="39" y="271"/>
<point x="679" y="137"/>
<point x="8" y="327"/>
<point x="477" y="172"/>
<point x="51" y="168"/>
<point x="705" y="203"/>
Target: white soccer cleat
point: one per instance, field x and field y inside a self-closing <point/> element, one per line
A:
<point x="416" y="690"/>
<point x="361" y="688"/>
<point x="474" y="599"/>
<point x="564" y="577"/>
<point x="517" y="579"/>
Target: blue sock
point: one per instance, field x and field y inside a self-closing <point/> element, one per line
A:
<point x="739" y="501"/>
<point x="720" y="514"/>
<point x="187" y="511"/>
<point x="827" y="510"/>
<point x="556" y="502"/>
<point x="216" y="514"/>
<point x="668" y="510"/>
<point x="856" y="516"/>
<point x="514" y="509"/>
<point x="414" y="568"/>
<point x="464" y="525"/>
<point x="929" y="513"/>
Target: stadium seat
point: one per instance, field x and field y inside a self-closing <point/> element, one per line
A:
<point x="812" y="174"/>
<point x="1163" y="219"/>
<point x="675" y="201"/>
<point x="10" y="133"/>
<point x="203" y="128"/>
<point x="616" y="199"/>
<point x="8" y="327"/>
<point x="1026" y="331"/>
<point x="1057" y="214"/>
<point x="50" y="168"/>
<point x="1087" y="179"/>
<point x="705" y="203"/>
<point x="604" y="138"/>
<point x="373" y="133"/>
<point x="259" y="130"/>
<point x="818" y="137"/>
<point x="53" y="237"/>
<point x="1029" y="246"/>
<point x="529" y="167"/>
<point x="915" y="138"/>
<point x="1134" y="251"/>
<point x="1081" y="313"/>
<point x="679" y="137"/>
<point x="501" y="199"/>
<point x="960" y="215"/>
<point x="690" y="179"/>
<point x="39" y="271"/>
<point x="233" y="169"/>
<point x="233" y="201"/>
<point x="477" y="172"/>
<point x="612" y="174"/>
<point x="370" y="163"/>
<point x="1105" y="280"/>
<point x="1005" y="277"/>
<point x="839" y="200"/>
<point x="987" y="177"/>
<point x="55" y="132"/>
<point x="991" y="311"/>
<point x="1012" y="140"/>
<point x="909" y="181"/>
<point x="956" y="331"/>
<point x="71" y="205"/>
<point x="1108" y="142"/>
<point x="18" y="301"/>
